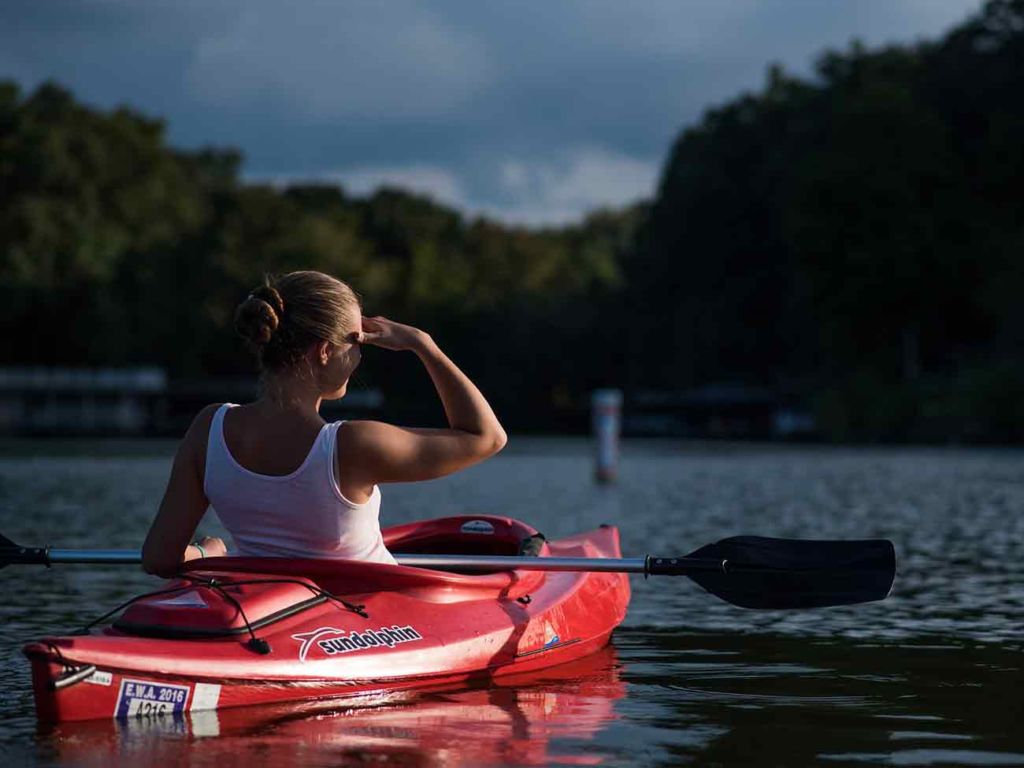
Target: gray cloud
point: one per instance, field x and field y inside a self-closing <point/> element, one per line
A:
<point x="534" y="112"/>
<point x="396" y="60"/>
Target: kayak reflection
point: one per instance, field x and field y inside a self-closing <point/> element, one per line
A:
<point x="548" y="716"/>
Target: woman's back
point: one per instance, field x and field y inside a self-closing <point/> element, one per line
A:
<point x="269" y="443"/>
<point x="275" y="504"/>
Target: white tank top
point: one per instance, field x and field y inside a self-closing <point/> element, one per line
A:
<point x="302" y="514"/>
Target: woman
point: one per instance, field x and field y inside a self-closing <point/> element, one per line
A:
<point x="282" y="481"/>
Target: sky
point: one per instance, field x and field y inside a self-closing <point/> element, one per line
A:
<point x="531" y="111"/>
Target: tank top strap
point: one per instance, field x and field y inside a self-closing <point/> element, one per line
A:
<point x="217" y="426"/>
<point x="330" y="448"/>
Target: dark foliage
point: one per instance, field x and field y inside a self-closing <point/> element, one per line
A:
<point x="856" y="240"/>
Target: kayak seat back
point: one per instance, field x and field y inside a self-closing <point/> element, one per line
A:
<point x="464" y="535"/>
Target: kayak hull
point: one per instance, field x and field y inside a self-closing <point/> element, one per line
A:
<point x="241" y="631"/>
<point x="155" y="694"/>
<point x="544" y="717"/>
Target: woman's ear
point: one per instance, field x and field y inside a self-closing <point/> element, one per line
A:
<point x="323" y="352"/>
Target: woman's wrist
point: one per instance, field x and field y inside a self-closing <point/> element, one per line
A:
<point x="423" y="344"/>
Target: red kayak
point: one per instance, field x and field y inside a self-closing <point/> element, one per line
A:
<point x="239" y="631"/>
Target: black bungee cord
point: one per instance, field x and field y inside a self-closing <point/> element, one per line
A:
<point x="259" y="645"/>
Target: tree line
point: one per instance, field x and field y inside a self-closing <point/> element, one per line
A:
<point x="857" y="237"/>
<point x="853" y="240"/>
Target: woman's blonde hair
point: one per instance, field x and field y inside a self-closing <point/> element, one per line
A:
<point x="282" y="317"/>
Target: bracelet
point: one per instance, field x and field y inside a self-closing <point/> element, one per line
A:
<point x="197" y="545"/>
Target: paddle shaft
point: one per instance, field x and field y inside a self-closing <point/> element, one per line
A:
<point x="748" y="571"/>
<point x="42" y="556"/>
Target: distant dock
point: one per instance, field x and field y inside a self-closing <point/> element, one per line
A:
<point x="128" y="401"/>
<point x="76" y="401"/>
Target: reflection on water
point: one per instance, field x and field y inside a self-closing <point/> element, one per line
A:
<point x="546" y="718"/>
<point x="728" y="699"/>
<point x="656" y="698"/>
<point x="930" y="676"/>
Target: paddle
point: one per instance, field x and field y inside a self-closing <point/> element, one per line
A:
<point x="748" y="571"/>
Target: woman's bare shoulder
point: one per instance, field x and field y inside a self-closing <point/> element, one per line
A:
<point x="203" y="419"/>
<point x="353" y="434"/>
<point x="198" y="433"/>
<point x="363" y="441"/>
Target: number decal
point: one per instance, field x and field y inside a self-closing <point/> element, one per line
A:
<point x="139" y="698"/>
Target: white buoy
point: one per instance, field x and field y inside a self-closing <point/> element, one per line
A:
<point x="606" y="409"/>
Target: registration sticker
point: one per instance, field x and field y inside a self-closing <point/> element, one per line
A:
<point x="99" y="677"/>
<point x="138" y="698"/>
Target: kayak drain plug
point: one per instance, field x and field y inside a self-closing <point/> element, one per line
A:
<point x="259" y="645"/>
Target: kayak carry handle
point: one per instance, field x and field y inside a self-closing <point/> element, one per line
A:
<point x="76" y="675"/>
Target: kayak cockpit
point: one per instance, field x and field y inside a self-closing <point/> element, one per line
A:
<point x="462" y="535"/>
<point x="206" y="601"/>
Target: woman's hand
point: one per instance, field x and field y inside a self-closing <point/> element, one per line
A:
<point x="213" y="546"/>
<point x="381" y="332"/>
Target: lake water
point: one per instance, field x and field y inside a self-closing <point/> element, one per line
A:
<point x="931" y="676"/>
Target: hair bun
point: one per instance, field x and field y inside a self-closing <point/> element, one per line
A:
<point x="320" y="308"/>
<point x="258" y="317"/>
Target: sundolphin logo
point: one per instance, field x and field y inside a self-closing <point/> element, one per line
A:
<point x="333" y="641"/>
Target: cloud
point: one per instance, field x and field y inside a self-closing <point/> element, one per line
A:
<point x="528" y="112"/>
<point x="523" y="191"/>
<point x="558" y="192"/>
<point x="327" y="60"/>
<point x="655" y="27"/>
<point x="437" y="183"/>
<point x="15" y="68"/>
<point x="932" y="17"/>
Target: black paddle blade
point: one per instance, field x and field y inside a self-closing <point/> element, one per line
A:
<point x="11" y="553"/>
<point x="787" y="573"/>
<point x="6" y="545"/>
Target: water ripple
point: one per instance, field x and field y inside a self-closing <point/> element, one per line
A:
<point x="929" y="676"/>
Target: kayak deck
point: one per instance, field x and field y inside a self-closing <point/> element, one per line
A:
<point x="241" y="631"/>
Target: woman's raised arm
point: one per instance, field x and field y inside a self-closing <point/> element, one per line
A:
<point x="373" y="452"/>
